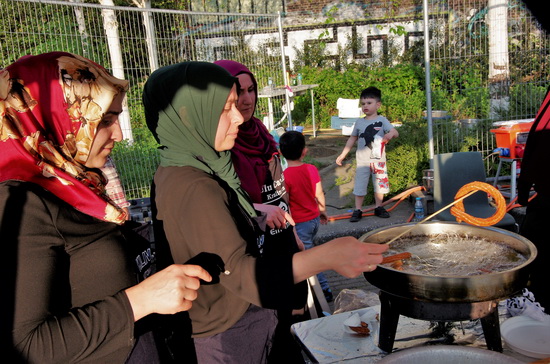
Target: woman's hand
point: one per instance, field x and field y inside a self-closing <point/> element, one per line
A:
<point x="299" y="241"/>
<point x="351" y="257"/>
<point x="276" y="216"/>
<point x="347" y="256"/>
<point x="168" y="291"/>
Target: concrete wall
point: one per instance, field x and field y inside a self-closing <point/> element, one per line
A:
<point x="333" y="22"/>
<point x="375" y="38"/>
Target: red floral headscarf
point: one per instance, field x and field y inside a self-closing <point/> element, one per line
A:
<point x="50" y="108"/>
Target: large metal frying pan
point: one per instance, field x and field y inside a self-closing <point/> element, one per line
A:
<point x="475" y="288"/>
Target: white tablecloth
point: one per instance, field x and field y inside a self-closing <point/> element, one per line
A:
<point x="328" y="340"/>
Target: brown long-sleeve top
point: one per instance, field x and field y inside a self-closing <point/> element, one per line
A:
<point x="63" y="273"/>
<point x="199" y="214"/>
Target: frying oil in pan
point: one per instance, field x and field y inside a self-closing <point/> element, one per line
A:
<point x="455" y="255"/>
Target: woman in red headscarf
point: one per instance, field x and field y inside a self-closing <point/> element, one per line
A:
<point x="70" y="292"/>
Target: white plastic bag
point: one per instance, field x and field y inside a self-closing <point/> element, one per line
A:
<point x="527" y="306"/>
<point x="354" y="299"/>
<point x="377" y="147"/>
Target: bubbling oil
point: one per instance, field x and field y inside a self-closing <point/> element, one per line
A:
<point x="455" y="255"/>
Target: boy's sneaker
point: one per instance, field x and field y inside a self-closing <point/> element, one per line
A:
<point x="356" y="216"/>
<point x="381" y="212"/>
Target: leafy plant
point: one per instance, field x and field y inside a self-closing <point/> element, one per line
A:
<point x="136" y="165"/>
<point x="402" y="92"/>
<point x="407" y="156"/>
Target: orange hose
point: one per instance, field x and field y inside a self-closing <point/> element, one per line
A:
<point x="397" y="199"/>
<point x="513" y="205"/>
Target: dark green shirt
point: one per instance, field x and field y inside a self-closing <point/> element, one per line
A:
<point x="63" y="273"/>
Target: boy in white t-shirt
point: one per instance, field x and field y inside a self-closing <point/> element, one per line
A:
<point x="372" y="133"/>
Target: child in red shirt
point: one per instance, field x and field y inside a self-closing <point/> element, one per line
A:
<point x="307" y="199"/>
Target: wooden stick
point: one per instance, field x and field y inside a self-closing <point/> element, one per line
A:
<point x="432" y="215"/>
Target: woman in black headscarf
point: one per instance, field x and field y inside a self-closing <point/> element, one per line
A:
<point x="191" y="109"/>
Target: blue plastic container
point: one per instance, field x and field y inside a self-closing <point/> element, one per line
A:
<point x="296" y="128"/>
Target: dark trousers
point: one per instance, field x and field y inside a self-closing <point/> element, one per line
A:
<point x="535" y="227"/>
<point x="249" y="341"/>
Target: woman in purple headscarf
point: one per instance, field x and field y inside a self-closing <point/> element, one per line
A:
<point x="255" y="154"/>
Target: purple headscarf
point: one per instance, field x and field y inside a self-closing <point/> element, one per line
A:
<point x="254" y="146"/>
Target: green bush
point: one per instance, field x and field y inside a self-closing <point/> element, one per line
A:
<point x="525" y="98"/>
<point x="460" y="90"/>
<point x="136" y="165"/>
<point x="407" y="156"/>
<point x="401" y="85"/>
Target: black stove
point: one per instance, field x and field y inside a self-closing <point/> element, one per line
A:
<point x="393" y="306"/>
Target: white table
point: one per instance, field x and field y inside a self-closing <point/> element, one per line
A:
<point x="326" y="340"/>
<point x="288" y="92"/>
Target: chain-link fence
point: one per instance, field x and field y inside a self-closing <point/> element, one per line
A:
<point x="132" y="42"/>
<point x="490" y="62"/>
<point x="474" y="79"/>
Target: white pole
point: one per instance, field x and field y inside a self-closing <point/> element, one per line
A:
<point x="150" y="38"/>
<point x="313" y="113"/>
<point x="285" y="78"/>
<point x="499" y="63"/>
<point x="110" y="24"/>
<point x="428" y="83"/>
